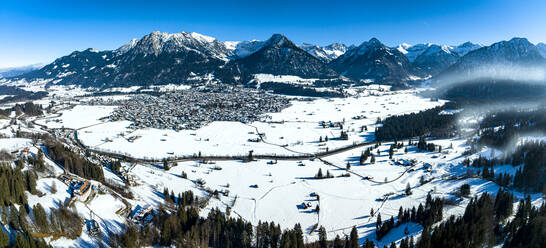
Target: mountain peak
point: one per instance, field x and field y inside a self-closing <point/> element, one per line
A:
<point x="519" y="40"/>
<point x="279" y="56"/>
<point x="467" y="44"/>
<point x="127" y="46"/>
<point x="374" y="41"/>
<point x="372" y="60"/>
<point x="279" y="40"/>
<point x="162" y="42"/>
<point x="202" y="37"/>
<point x="491" y="61"/>
<point x="520" y="46"/>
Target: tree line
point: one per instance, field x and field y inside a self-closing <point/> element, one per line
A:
<point x="184" y="228"/>
<point x="425" y="215"/>
<point x="73" y="162"/>
<point x="528" y="178"/>
<point x="425" y="123"/>
<point x="482" y="225"/>
<point x="498" y="129"/>
<point x="27" y="108"/>
<point x="14" y="183"/>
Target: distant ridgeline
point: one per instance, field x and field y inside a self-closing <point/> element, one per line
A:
<point x="467" y="71"/>
<point x="187" y="58"/>
<point x="487" y="90"/>
<point x="15" y="94"/>
<point x="298" y="90"/>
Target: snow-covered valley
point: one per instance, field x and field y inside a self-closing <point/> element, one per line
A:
<point x="300" y="140"/>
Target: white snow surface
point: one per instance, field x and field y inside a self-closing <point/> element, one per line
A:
<point x="78" y="117"/>
<point x="297" y="128"/>
<point x="282" y="187"/>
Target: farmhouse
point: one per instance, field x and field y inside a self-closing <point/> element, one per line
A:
<point x="82" y="189"/>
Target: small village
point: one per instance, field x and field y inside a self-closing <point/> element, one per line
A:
<point x="192" y="109"/>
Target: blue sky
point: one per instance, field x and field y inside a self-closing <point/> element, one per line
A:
<point x="40" y="31"/>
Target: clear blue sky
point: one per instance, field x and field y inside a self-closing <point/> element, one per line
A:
<point x="40" y="31"/>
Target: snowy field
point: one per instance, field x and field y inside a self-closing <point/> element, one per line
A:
<point x="14" y="144"/>
<point x="265" y="191"/>
<point x="78" y="117"/>
<point x="296" y="128"/>
<point x="344" y="201"/>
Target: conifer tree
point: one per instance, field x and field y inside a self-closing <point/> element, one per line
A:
<point x="353" y="239"/>
<point x="323" y="239"/>
<point x="319" y="174"/>
<point x="408" y="189"/>
<point x="4" y="239"/>
<point x="337" y="242"/>
<point x="391" y="151"/>
<point x="40" y="217"/>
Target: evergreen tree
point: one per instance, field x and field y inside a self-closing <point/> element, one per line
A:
<point x="323" y="239"/>
<point x="362" y="159"/>
<point x="319" y="174"/>
<point x="299" y="236"/>
<point x="408" y="189"/>
<point x="21" y="241"/>
<point x="14" y="218"/>
<point x="4" y="239"/>
<point x="391" y="151"/>
<point x="353" y="240"/>
<point x="40" y="218"/>
<point x="337" y="242"/>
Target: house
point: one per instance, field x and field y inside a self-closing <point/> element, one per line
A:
<point x="142" y="213"/>
<point x="81" y="189"/>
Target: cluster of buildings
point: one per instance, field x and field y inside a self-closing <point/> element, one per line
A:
<point x="192" y="109"/>
<point x="80" y="188"/>
<point x="142" y="214"/>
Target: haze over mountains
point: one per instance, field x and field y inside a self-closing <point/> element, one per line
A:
<point x="15" y="71"/>
<point x="185" y="58"/>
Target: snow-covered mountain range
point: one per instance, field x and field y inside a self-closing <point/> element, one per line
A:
<point x="432" y="58"/>
<point x="517" y="52"/>
<point x="373" y="60"/>
<point x="280" y="56"/>
<point x="184" y="58"/>
<point x="325" y="53"/>
<point x="414" y="51"/>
